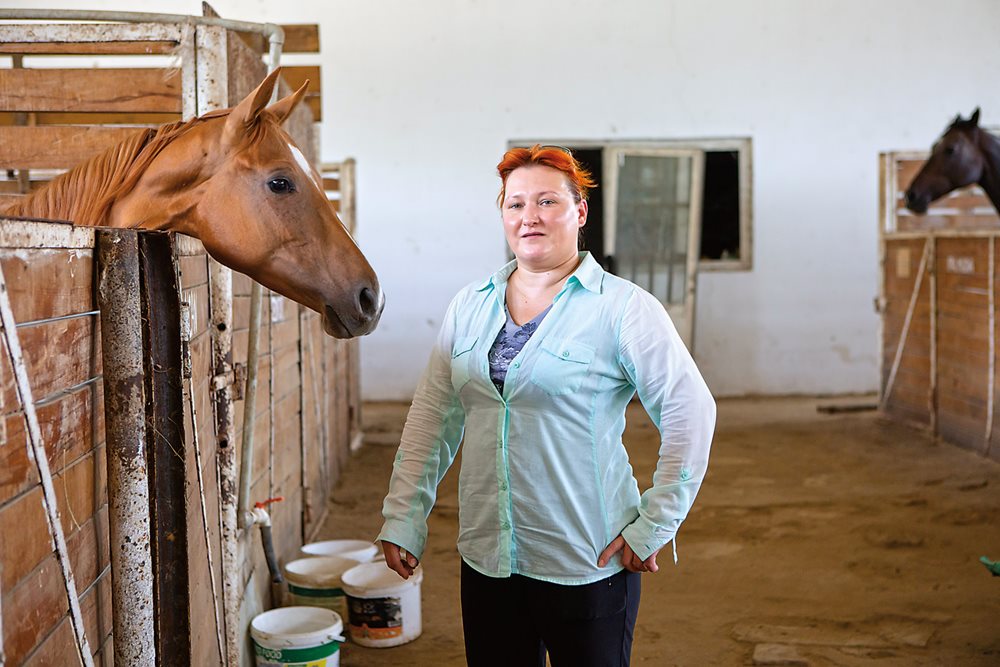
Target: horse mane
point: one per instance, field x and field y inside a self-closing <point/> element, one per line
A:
<point x="85" y="194"/>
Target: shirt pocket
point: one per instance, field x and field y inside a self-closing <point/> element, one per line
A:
<point x="562" y="365"/>
<point x="461" y="360"/>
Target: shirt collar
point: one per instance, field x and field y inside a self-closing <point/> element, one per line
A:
<point x="589" y="274"/>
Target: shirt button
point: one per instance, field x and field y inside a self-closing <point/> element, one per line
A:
<point x="565" y="353"/>
<point x="505" y="525"/>
<point x="516" y="364"/>
<point x="503" y="486"/>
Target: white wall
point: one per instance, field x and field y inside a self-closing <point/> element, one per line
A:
<point x="426" y="95"/>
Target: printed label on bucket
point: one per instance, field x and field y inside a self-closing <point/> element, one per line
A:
<point x="326" y="655"/>
<point x="375" y="618"/>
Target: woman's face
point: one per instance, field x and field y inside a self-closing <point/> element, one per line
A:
<point x="540" y="218"/>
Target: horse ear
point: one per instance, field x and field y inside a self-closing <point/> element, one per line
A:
<point x="245" y="114"/>
<point x="974" y="118"/>
<point x="283" y="108"/>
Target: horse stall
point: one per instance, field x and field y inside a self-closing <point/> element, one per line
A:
<point x="938" y="305"/>
<point x="145" y="329"/>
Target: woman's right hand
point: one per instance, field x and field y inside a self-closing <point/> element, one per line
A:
<point x="399" y="560"/>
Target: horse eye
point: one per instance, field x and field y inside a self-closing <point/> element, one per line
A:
<point x="950" y="150"/>
<point x="280" y="185"/>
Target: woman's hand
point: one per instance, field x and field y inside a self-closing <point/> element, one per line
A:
<point x="399" y="560"/>
<point x="629" y="559"/>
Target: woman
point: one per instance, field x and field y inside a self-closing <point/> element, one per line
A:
<point x="535" y="366"/>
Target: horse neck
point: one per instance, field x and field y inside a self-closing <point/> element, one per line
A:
<point x="990" y="180"/>
<point x="79" y="194"/>
<point x="85" y="194"/>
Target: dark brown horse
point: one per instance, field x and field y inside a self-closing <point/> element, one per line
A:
<point x="234" y="179"/>
<point x="965" y="154"/>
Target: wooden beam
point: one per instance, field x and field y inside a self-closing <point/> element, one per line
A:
<point x="88" y="48"/>
<point x="142" y="119"/>
<point x="301" y="38"/>
<point x="125" y="90"/>
<point x="296" y="76"/>
<point x="56" y="147"/>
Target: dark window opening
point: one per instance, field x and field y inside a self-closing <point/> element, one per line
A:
<point x="720" y="206"/>
<point x="593" y="231"/>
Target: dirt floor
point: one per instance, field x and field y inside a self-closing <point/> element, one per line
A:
<point x="816" y="540"/>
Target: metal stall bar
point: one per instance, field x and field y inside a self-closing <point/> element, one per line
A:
<point x="166" y="448"/>
<point x="125" y="434"/>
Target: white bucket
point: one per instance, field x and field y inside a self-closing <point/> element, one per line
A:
<point x="297" y="636"/>
<point x="360" y="550"/>
<point x="383" y="609"/>
<point x="315" y="582"/>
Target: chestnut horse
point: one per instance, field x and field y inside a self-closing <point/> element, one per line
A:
<point x="965" y="154"/>
<point x="235" y="180"/>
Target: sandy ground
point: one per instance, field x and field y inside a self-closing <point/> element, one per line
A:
<point x="816" y="540"/>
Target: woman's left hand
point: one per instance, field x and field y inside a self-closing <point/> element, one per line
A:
<point x="629" y="559"/>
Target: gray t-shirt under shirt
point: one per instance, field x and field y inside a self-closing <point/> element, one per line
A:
<point x="508" y="344"/>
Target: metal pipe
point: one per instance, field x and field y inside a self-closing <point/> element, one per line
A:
<point x="125" y="435"/>
<point x="244" y="514"/>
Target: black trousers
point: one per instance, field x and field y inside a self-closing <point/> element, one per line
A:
<point x="512" y="622"/>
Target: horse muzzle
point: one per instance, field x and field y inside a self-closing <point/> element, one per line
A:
<point x="359" y="320"/>
<point x="917" y="202"/>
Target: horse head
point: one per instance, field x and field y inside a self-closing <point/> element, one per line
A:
<point x="238" y="183"/>
<point x="956" y="161"/>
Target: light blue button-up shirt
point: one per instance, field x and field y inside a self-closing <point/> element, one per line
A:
<point x="545" y="483"/>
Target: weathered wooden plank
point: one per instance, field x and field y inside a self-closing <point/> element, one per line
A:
<point x="36" y="604"/>
<point x="87" y="48"/>
<point x="62" y="642"/>
<point x="129" y="90"/>
<point x="59" y="355"/>
<point x="48" y="283"/>
<point x="26" y="537"/>
<point x="56" y="147"/>
<point x="194" y="271"/>
<point x="24" y="234"/>
<point x="295" y="76"/>
<point x="301" y="38"/>
<point x="71" y="427"/>
<point x="932" y="222"/>
<point x="246" y="69"/>
<point x="91" y="32"/>
<point x="137" y="119"/>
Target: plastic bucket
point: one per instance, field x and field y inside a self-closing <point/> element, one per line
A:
<point x="315" y="582"/>
<point x="383" y="609"/>
<point x="360" y="550"/>
<point x="297" y="636"/>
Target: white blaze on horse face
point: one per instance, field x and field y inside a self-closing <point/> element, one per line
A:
<point x="304" y="163"/>
<point x="306" y="167"/>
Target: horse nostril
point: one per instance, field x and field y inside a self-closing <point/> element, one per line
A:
<point x="368" y="301"/>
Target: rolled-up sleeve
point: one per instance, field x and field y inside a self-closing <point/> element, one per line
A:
<point x="681" y="406"/>
<point x="428" y="446"/>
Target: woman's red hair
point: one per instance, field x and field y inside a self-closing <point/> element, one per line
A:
<point x="578" y="179"/>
